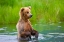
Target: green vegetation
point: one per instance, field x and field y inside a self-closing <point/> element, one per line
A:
<point x="44" y="11"/>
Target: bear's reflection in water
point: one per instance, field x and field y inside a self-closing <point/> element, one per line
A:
<point x="28" y="41"/>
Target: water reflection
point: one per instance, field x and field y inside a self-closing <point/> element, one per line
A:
<point x="23" y="41"/>
<point x="29" y="41"/>
<point x="47" y="33"/>
<point x="50" y="37"/>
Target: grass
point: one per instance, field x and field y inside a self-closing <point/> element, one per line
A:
<point x="44" y="11"/>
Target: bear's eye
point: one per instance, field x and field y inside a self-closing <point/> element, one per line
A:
<point x="27" y="12"/>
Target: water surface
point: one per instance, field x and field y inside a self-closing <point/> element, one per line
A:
<point x="47" y="33"/>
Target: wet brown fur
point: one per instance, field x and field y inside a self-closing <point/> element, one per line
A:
<point x="24" y="27"/>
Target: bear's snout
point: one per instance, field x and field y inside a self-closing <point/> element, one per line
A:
<point x="31" y="15"/>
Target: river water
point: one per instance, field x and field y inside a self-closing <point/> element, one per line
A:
<point x="47" y="33"/>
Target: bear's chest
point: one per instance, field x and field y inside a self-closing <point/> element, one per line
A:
<point x="27" y="27"/>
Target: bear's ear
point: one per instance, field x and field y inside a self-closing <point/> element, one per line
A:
<point x="29" y="7"/>
<point x="22" y="9"/>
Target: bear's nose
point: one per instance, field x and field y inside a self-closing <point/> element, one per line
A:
<point x="31" y="15"/>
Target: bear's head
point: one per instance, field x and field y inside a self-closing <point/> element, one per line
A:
<point x="25" y="12"/>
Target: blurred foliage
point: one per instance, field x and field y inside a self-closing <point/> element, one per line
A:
<point x="44" y="11"/>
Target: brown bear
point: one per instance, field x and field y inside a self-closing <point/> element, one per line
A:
<point x="24" y="27"/>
